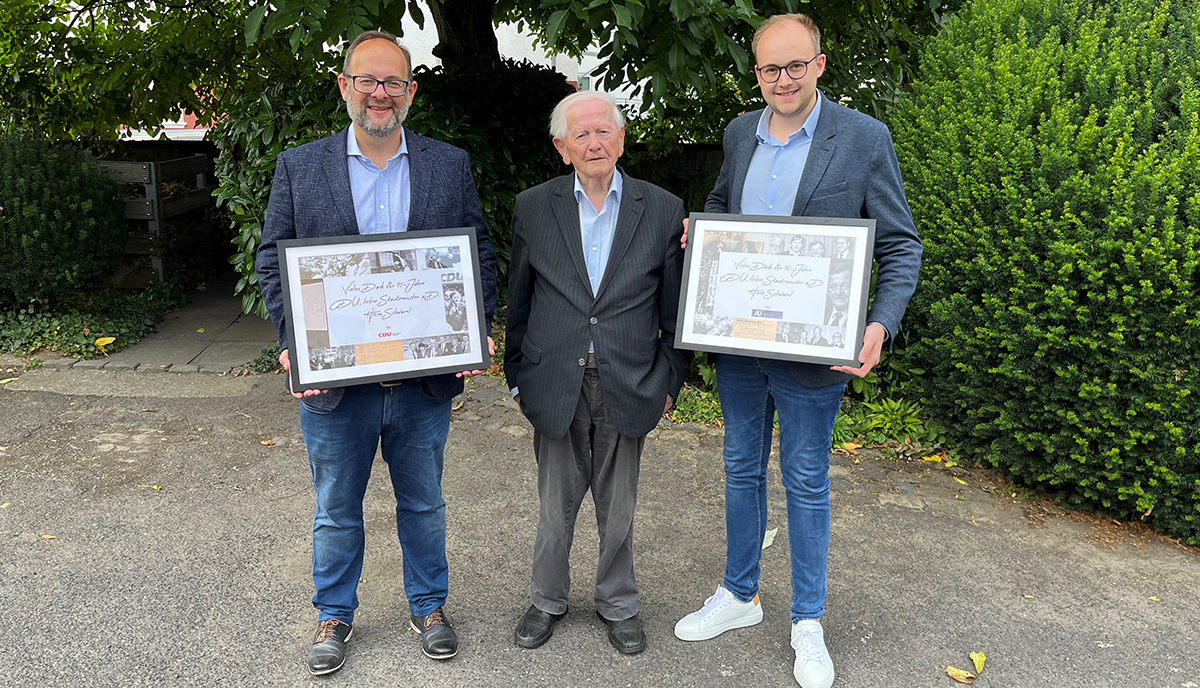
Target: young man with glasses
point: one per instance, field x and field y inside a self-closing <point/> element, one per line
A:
<point x="803" y="155"/>
<point x="375" y="177"/>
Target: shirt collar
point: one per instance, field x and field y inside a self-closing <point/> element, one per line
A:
<point x="810" y="125"/>
<point x="615" y="189"/>
<point x="352" y="149"/>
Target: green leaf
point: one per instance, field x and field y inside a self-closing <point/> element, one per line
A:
<point x="554" y="27"/>
<point x="624" y="18"/>
<point x="254" y="23"/>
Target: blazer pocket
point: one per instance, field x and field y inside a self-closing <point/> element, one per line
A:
<point x="647" y="355"/>
<point x="532" y="352"/>
<point x="831" y="190"/>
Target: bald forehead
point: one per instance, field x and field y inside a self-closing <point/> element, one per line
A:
<point x="380" y="54"/>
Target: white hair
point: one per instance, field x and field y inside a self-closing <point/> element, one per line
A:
<point x="558" y="118"/>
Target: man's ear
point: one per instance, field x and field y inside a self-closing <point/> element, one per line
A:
<point x="562" y="150"/>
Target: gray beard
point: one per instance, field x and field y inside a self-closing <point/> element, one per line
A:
<point x="359" y="115"/>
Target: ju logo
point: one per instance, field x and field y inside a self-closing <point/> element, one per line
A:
<point x="760" y="313"/>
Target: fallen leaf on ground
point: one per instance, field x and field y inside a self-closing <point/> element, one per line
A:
<point x="268" y="443"/>
<point x="960" y="675"/>
<point x="1154" y="599"/>
<point x="935" y="459"/>
<point x="103" y="342"/>
<point x="157" y="488"/>
<point x="8" y="380"/>
<point x="1029" y="597"/>
<point x="458" y="406"/>
<point x="959" y="480"/>
<point x="200" y="330"/>
<point x="769" y="537"/>
<point x="5" y="505"/>
<point x="3" y="448"/>
<point x="979" y="658"/>
<point x="950" y="464"/>
<point x="148" y="410"/>
<point x="850" y="446"/>
<point x="49" y="537"/>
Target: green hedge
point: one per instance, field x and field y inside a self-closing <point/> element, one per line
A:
<point x="500" y="116"/>
<point x="1051" y="152"/>
<point x="61" y="222"/>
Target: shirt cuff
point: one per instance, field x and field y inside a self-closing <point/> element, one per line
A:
<point x="515" y="391"/>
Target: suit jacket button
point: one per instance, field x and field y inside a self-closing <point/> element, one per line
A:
<point x="583" y="361"/>
<point x="593" y="321"/>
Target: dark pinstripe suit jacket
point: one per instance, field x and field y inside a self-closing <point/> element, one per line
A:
<point x="310" y="197"/>
<point x="552" y="314"/>
<point x="851" y="171"/>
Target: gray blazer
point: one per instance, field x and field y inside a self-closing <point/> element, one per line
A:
<point x="311" y="197"/>
<point x="851" y="171"/>
<point x="552" y="314"/>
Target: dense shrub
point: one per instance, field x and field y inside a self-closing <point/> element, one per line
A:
<point x="61" y="222"/>
<point x="1051" y="151"/>
<point x="500" y="116"/>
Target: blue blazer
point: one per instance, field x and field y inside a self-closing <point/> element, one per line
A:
<point x="311" y="197"/>
<point x="851" y="171"/>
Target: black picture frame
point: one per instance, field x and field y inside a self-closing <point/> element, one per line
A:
<point x="387" y="269"/>
<point x="733" y="260"/>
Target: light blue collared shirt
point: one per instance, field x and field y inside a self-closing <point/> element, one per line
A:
<point x="381" y="197"/>
<point x="596" y="230"/>
<point x="776" y="167"/>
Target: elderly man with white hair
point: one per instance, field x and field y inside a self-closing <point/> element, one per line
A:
<point x="592" y="295"/>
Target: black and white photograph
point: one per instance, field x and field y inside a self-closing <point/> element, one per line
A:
<point x="442" y="257"/>
<point x="792" y="288"/>
<point x="331" y="357"/>
<point x="454" y="299"/>
<point x="434" y="347"/>
<point x="317" y="268"/>
<point x="397" y="261"/>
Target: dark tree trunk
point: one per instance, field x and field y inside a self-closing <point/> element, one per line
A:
<point x="465" y="32"/>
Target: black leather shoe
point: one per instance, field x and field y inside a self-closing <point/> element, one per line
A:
<point x="536" y="627"/>
<point x="626" y="635"/>
<point x="438" y="639"/>
<point x="327" y="653"/>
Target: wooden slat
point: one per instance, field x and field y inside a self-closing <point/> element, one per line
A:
<point x="126" y="172"/>
<point x="138" y="208"/>
<point x="139" y="246"/>
<point x="182" y="204"/>
<point x="183" y="169"/>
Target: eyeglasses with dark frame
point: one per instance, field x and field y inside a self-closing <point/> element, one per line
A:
<point x="367" y="85"/>
<point x="796" y="70"/>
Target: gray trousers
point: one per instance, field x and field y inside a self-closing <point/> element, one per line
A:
<point x="591" y="455"/>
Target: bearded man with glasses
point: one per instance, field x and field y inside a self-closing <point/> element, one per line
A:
<point x="802" y="155"/>
<point x="375" y="177"/>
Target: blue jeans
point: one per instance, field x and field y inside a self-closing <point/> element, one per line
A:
<point x="750" y="390"/>
<point x="341" y="448"/>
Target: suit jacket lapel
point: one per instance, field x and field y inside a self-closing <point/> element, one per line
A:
<point x="337" y="174"/>
<point x="418" y="176"/>
<point x="566" y="212"/>
<point x="819" y="155"/>
<point x="742" y="155"/>
<point x="629" y="214"/>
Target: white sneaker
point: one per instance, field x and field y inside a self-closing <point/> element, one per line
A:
<point x="814" y="668"/>
<point x="721" y="612"/>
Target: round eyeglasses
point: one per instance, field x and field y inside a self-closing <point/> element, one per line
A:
<point x="795" y="70"/>
<point x="367" y="85"/>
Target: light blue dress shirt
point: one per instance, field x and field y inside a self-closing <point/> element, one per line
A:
<point x="596" y="230"/>
<point x="381" y="197"/>
<point x="775" y="169"/>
